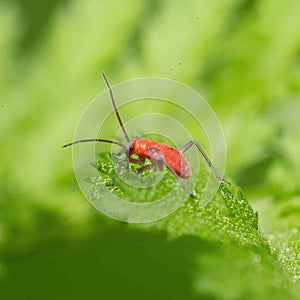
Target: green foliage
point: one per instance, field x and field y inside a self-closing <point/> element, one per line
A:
<point x="227" y="218"/>
<point x="229" y="231"/>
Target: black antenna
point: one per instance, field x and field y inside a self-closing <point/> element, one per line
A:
<point x="115" y="107"/>
<point x="94" y="140"/>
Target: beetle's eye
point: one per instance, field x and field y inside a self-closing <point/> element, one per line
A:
<point x="131" y="147"/>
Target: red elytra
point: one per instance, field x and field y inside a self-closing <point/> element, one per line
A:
<point x="158" y="154"/>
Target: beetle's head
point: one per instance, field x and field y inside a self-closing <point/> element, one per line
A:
<point x="132" y="145"/>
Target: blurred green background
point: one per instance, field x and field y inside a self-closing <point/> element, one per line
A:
<point x="243" y="56"/>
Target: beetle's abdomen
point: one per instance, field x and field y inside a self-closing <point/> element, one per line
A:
<point x="177" y="162"/>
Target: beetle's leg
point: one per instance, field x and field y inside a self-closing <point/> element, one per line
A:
<point x="159" y="159"/>
<point x="144" y="168"/>
<point x="123" y="150"/>
<point x="124" y="159"/>
<point x="118" y="170"/>
<point x="189" y="145"/>
<point x="121" y="160"/>
<point x="139" y="161"/>
<point x="157" y="164"/>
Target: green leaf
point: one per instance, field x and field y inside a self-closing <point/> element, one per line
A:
<point x="227" y="225"/>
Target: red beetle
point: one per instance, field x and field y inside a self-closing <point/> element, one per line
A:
<point x="158" y="154"/>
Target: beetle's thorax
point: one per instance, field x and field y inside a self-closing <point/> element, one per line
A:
<point x="139" y="146"/>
